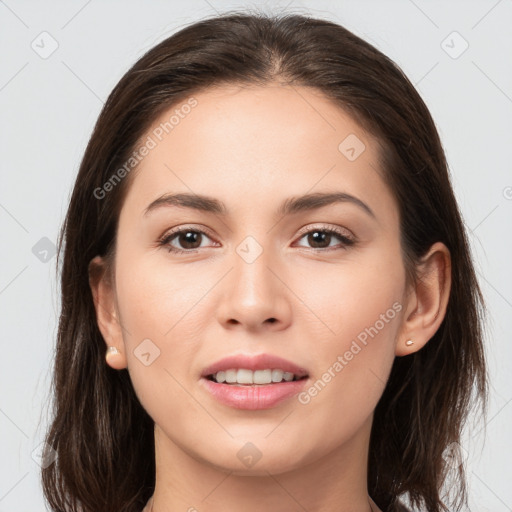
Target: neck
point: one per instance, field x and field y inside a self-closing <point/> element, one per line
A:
<point x="333" y="483"/>
<point x="150" y="505"/>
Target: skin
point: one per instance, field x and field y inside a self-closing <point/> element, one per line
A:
<point x="252" y="148"/>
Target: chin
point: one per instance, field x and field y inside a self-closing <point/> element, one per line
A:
<point x="248" y="460"/>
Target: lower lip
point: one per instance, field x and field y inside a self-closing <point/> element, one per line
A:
<point x="259" y="396"/>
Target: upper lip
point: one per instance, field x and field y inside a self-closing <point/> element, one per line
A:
<point x="254" y="362"/>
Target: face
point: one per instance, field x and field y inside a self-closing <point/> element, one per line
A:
<point x="321" y="285"/>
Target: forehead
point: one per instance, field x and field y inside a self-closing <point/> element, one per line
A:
<point x="249" y="142"/>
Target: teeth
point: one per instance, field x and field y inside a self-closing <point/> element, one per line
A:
<point x="243" y="376"/>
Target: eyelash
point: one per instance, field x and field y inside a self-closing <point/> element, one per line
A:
<point x="166" y="239"/>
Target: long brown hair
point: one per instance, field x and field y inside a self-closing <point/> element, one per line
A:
<point x="102" y="435"/>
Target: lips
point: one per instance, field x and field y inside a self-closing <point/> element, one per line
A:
<point x="253" y="396"/>
<point x="256" y="362"/>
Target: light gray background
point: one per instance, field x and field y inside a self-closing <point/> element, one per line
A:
<point x="48" y="108"/>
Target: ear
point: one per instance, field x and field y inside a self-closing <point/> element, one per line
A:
<point x="427" y="301"/>
<point x="103" y="292"/>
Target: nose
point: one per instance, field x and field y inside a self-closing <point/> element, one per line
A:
<point x="255" y="295"/>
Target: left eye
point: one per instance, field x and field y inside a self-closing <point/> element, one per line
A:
<point x="190" y="239"/>
<point x="320" y="236"/>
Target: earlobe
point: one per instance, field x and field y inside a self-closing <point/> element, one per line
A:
<point x="103" y="294"/>
<point x="115" y="358"/>
<point x="428" y="301"/>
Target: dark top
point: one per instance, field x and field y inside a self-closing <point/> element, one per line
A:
<point x="400" y="507"/>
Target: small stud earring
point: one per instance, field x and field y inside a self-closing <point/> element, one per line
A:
<point x="409" y="343"/>
<point x="111" y="351"/>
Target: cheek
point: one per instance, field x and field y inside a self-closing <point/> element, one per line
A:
<point x="159" y="309"/>
<point x="357" y="317"/>
<point x="345" y="299"/>
<point x="157" y="297"/>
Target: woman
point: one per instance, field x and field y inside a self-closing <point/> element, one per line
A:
<point x="268" y="299"/>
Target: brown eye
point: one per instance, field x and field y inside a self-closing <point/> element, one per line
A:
<point x="318" y="239"/>
<point x="189" y="240"/>
<point x="321" y="238"/>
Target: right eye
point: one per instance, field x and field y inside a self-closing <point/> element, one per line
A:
<point x="187" y="237"/>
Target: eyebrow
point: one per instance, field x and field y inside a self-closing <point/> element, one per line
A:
<point x="290" y="206"/>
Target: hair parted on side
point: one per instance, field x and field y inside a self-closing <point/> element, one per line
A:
<point x="98" y="424"/>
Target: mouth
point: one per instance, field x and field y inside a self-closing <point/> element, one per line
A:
<point x="246" y="377"/>
<point x="253" y="369"/>
<point x="253" y="382"/>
